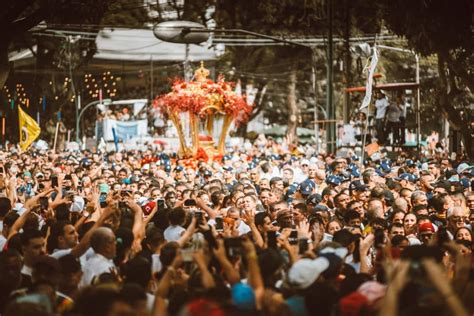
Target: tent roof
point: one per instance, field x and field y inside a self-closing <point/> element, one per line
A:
<point x="140" y="45"/>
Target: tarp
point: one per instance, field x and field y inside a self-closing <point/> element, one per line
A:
<point x="116" y="44"/>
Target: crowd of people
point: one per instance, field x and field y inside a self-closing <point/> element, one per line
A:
<point x="255" y="232"/>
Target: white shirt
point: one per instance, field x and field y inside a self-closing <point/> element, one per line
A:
<point x="94" y="267"/>
<point x="243" y="228"/>
<point x="173" y="233"/>
<point x="3" y="241"/>
<point x="394" y="112"/>
<point x="381" y="106"/>
<point x="59" y="253"/>
<point x="156" y="265"/>
<point x="26" y="270"/>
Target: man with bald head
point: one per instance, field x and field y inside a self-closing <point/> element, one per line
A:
<point x="103" y="243"/>
<point x="400" y="204"/>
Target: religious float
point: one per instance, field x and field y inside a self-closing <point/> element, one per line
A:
<point x="202" y="112"/>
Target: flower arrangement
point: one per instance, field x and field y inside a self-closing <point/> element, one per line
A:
<point x="200" y="97"/>
<point x="204" y="100"/>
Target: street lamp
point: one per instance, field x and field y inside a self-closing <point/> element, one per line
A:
<point x="188" y="32"/>
<point x="79" y="115"/>
<point x="176" y="32"/>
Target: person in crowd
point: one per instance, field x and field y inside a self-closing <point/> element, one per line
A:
<point x="394" y="112"/>
<point x="381" y="105"/>
<point x="259" y="231"/>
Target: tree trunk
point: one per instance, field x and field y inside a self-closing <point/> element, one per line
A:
<point x="291" y="135"/>
<point x="4" y="64"/>
<point x="445" y="105"/>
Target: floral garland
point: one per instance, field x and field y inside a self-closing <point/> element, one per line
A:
<point x="195" y="96"/>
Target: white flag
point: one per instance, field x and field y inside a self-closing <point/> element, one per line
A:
<point x="370" y="79"/>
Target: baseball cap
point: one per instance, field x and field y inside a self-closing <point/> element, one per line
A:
<point x="305" y="271"/>
<point x="463" y="167"/>
<point x="425" y="228"/>
<point x="179" y="168"/>
<point x="358" y="186"/>
<point x="334" y="180"/>
<point x="243" y="296"/>
<point x="410" y="163"/>
<point x="320" y="208"/>
<point x="406" y="176"/>
<point x="443" y="184"/>
<point x="291" y="190"/>
<point x="314" y="199"/>
<point x="306" y="187"/>
<point x="228" y="168"/>
<point x="305" y="162"/>
<point x="355" y="172"/>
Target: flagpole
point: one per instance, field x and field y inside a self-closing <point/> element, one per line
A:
<point x="3" y="130"/>
<point x="55" y="137"/>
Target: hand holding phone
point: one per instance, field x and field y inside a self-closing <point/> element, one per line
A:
<point x="199" y="217"/>
<point x="219" y="223"/>
<point x="233" y="246"/>
<point x="44" y="202"/>
<point x="272" y="239"/>
<point x="54" y="181"/>
<point x="293" y="239"/>
<point x="160" y="204"/>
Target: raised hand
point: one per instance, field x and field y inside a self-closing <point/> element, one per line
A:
<point x="303" y="230"/>
<point x="249" y="217"/>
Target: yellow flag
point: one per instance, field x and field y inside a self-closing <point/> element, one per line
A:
<point x="29" y="129"/>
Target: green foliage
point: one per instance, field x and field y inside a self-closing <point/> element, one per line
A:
<point x="431" y="26"/>
<point x="123" y="13"/>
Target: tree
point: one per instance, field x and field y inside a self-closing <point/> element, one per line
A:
<point x="444" y="29"/>
<point x="19" y="16"/>
<point x="60" y="60"/>
<point x="287" y="17"/>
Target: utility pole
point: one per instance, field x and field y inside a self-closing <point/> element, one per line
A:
<point x="347" y="60"/>
<point x="330" y="124"/>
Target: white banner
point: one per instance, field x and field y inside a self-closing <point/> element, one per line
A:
<point x="370" y="79"/>
<point x="124" y="130"/>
